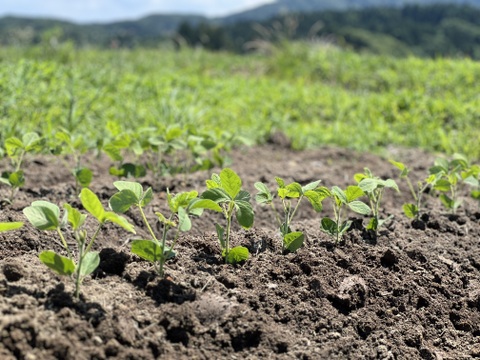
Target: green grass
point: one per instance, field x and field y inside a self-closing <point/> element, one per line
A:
<point x="317" y="95"/>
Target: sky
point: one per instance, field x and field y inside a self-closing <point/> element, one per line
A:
<point x="83" y="11"/>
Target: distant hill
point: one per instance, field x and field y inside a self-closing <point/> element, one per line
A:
<point x="282" y="7"/>
<point x="151" y="29"/>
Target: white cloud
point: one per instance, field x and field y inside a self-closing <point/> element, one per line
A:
<point x="108" y="10"/>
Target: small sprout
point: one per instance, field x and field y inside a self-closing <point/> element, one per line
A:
<point x="46" y="216"/>
<point x="374" y="187"/>
<point x="16" y="150"/>
<point x="413" y="210"/>
<point x="292" y="240"/>
<point x="337" y="227"/>
<point x="226" y="191"/>
<point x="450" y="175"/>
<point x="182" y="206"/>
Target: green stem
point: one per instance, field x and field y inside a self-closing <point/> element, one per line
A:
<point x="410" y="186"/>
<point x="94" y="237"/>
<point x="164" y="258"/>
<point x="81" y="248"/>
<point x="64" y="243"/>
<point x="229" y="225"/>
<point x="147" y="224"/>
<point x="295" y="210"/>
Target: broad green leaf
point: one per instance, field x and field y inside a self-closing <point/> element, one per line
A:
<point x="221" y="235"/>
<point x="59" y="264"/>
<point x="471" y="180"/>
<point x="113" y="152"/>
<point x="230" y="182"/>
<point x="180" y="200"/>
<point x="237" y="255"/>
<point x="447" y="201"/>
<point x="359" y="207"/>
<point x="359" y="177"/>
<point x="75" y="218"/>
<point x="340" y="194"/>
<point x="10" y="226"/>
<point x="147" y="250"/>
<point x="293" y="241"/>
<point x="476" y="194"/>
<point x="243" y="196"/>
<point x="280" y="182"/>
<point x="315" y="199"/>
<point x="373" y="224"/>
<point x="294" y="190"/>
<point x="17" y="179"/>
<point x="13" y="145"/>
<point x="133" y="186"/>
<point x="345" y="227"/>
<point x="410" y="210"/>
<point x="216" y="194"/>
<point x="369" y="185"/>
<point x="311" y="186"/>
<point x="353" y="193"/>
<point x="214" y="183"/>
<point x="31" y="141"/>
<point x="400" y="166"/>
<point x="84" y="176"/>
<point x="92" y="204"/>
<point x="90" y="262"/>
<point x="443" y="185"/>
<point x="244" y="214"/>
<point x="329" y="226"/>
<point x="119" y="220"/>
<point x="122" y="201"/>
<point x="440" y="165"/>
<point x="184" y="222"/>
<point x="390" y="183"/>
<point x="55" y="209"/>
<point x="206" y="204"/>
<point x="264" y="196"/>
<point x="42" y="217"/>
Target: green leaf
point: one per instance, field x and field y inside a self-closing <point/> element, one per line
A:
<point x="369" y="185"/>
<point x="221" y="235"/>
<point x="122" y="201"/>
<point x="311" y="186"/>
<point x="476" y="194"/>
<point x="410" y="210"/>
<point x="293" y="241"/>
<point x="340" y="194"/>
<point x="180" y="200"/>
<point x="133" y="186"/>
<point x="217" y="195"/>
<point x="31" y="141"/>
<point x="43" y="217"/>
<point x="447" y="201"/>
<point x="16" y="179"/>
<point x="147" y="197"/>
<point x="345" y="227"/>
<point x="280" y="182"/>
<point x="206" y="204"/>
<point x="443" y="185"/>
<point x="353" y="193"/>
<point x="315" y="199"/>
<point x="13" y="145"/>
<point x="390" y="183"/>
<point x="294" y="190"/>
<point x="404" y="170"/>
<point x="264" y="196"/>
<point x="90" y="262"/>
<point x="75" y="218"/>
<point x="147" y="250"/>
<point x="359" y="207"/>
<point x="230" y="182"/>
<point x="373" y="224"/>
<point x="329" y="226"/>
<point x="84" y="176"/>
<point x="184" y="222"/>
<point x="244" y="214"/>
<point x="164" y="220"/>
<point x="92" y="204"/>
<point x="7" y="226"/>
<point x="59" y="264"/>
<point x="237" y="255"/>
<point x="119" y="220"/>
<point x="359" y="177"/>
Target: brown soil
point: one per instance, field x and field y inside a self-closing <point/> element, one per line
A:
<point x="414" y="293"/>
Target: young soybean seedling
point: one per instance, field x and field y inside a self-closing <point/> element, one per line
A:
<point x="337" y="227"/>
<point x="374" y="187"/>
<point x="16" y="151"/>
<point x="450" y="175"/>
<point x="182" y="206"/>
<point x="292" y="240"/>
<point x="226" y="190"/>
<point x="413" y="210"/>
<point x="46" y="216"/>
